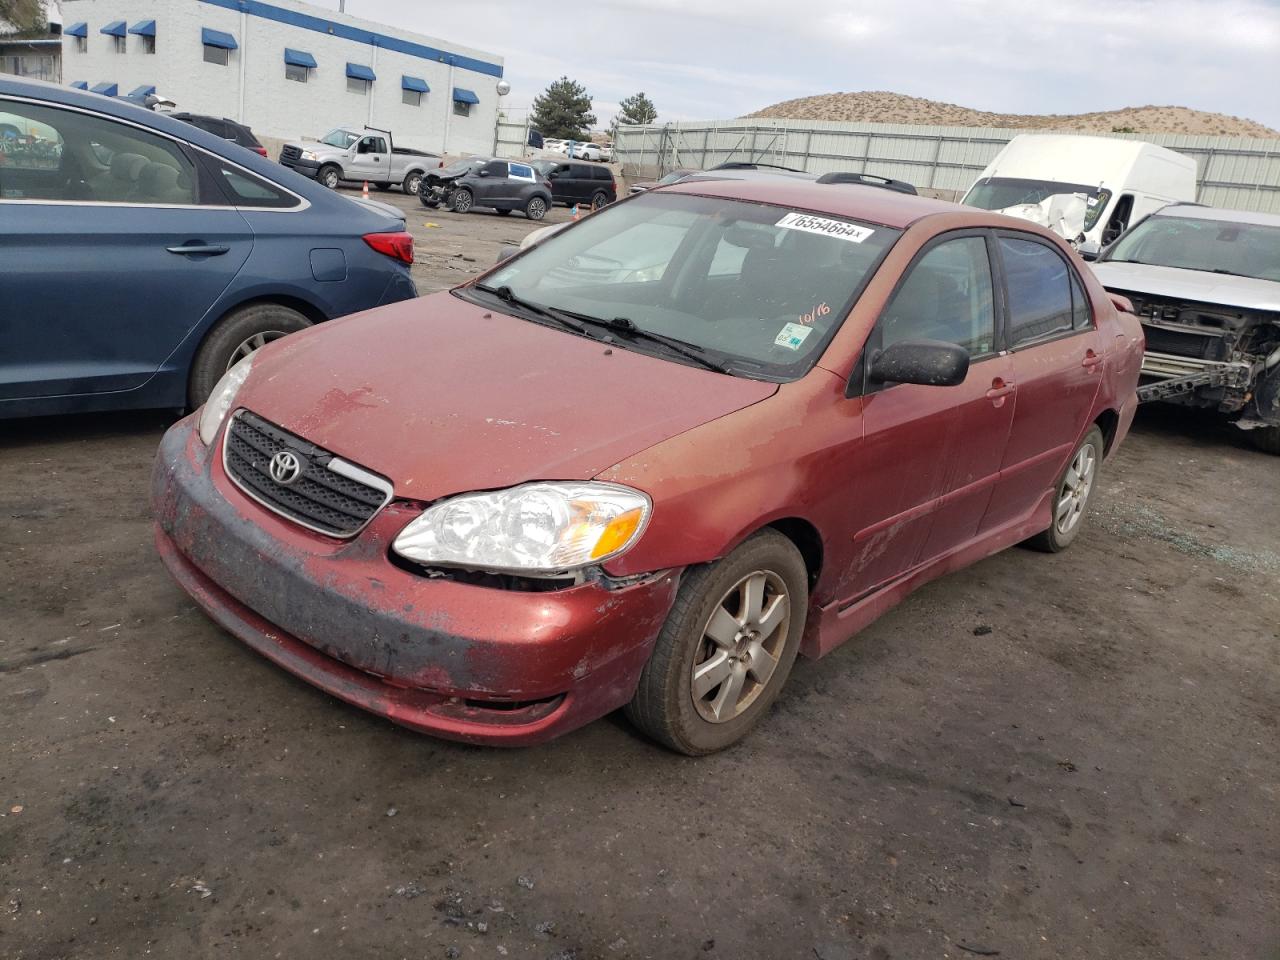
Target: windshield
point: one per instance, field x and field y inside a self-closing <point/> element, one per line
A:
<point x="544" y="167"/>
<point x="674" y="176"/>
<point x="759" y="289"/>
<point x="998" y="193"/>
<point x="462" y="166"/>
<point x="1221" y="246"/>
<point x="340" y="138"/>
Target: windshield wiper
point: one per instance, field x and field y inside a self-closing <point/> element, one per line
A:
<point x="1231" y="273"/>
<point x="507" y="295"/>
<point x="627" y="328"/>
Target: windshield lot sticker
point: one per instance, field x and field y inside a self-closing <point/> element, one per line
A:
<point x="827" y="228"/>
<point x="792" y="335"/>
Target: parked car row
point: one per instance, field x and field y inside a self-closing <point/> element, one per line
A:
<point x="507" y="185"/>
<point x="580" y="149"/>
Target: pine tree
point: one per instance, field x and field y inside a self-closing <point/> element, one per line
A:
<point x="563" y="111"/>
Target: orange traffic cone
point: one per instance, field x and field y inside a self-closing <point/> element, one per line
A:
<point x="365" y="192"/>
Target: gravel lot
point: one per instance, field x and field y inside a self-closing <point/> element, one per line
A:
<point x="1051" y="757"/>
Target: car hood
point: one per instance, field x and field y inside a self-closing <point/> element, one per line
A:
<point x="442" y="396"/>
<point x="1198" y="285"/>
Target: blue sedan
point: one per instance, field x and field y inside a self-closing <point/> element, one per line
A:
<point x="140" y="257"/>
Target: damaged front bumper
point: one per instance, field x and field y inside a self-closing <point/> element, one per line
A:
<point x="465" y="662"/>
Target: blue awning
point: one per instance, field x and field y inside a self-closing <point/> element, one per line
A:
<point x="106" y="89"/>
<point x="299" y="58"/>
<point x="80" y="29"/>
<point x="137" y="93"/>
<point x="464" y="96"/>
<point x="81" y="84"/>
<point x="358" y="71"/>
<point x="216" y="38"/>
<point x="414" y="83"/>
<point x="144" y="28"/>
<point x="114" y="29"/>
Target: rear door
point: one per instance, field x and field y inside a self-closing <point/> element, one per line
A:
<point x="111" y="252"/>
<point x="1057" y="365"/>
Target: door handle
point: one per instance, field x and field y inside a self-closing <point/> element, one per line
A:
<point x="1091" y="359"/>
<point x="199" y="249"/>
<point x="1000" y="388"/>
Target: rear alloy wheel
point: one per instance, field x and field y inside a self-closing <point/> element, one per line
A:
<point x="329" y="176"/>
<point x="601" y="199"/>
<point x="412" y="184"/>
<point x="1071" y="495"/>
<point x="462" y="200"/>
<point x="536" y="208"/>
<point x="1266" y="439"/>
<point x="726" y="648"/>
<point x="234" y="337"/>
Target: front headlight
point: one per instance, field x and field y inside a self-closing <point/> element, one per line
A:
<point x="536" y="528"/>
<point x="308" y="155"/>
<point x="224" y="393"/>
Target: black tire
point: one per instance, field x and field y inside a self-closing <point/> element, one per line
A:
<point x="503" y="211"/>
<point x="429" y="199"/>
<point x="412" y="184"/>
<point x="663" y="706"/>
<point x="232" y="337"/>
<point x="383" y="186"/>
<point x="599" y="199"/>
<point x="463" y="200"/>
<point x="330" y="175"/>
<point x="536" y="208"/>
<point x="1056" y="538"/>
<point x="1266" y="439"/>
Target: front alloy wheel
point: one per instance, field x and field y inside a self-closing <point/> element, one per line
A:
<point x="462" y="200"/>
<point x="726" y="648"/>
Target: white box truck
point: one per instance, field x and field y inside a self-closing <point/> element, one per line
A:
<point x="1087" y="189"/>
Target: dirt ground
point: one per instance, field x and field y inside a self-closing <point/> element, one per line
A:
<point x="1069" y="756"/>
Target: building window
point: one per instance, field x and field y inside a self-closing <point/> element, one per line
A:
<point x="461" y="109"/>
<point x="82" y="44"/>
<point x="412" y="97"/>
<point x="218" y="55"/>
<point x="117" y="44"/>
<point x="148" y="44"/>
<point x="356" y="85"/>
<point x="293" y="71"/>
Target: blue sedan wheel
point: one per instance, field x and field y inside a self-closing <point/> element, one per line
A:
<point x="236" y="336"/>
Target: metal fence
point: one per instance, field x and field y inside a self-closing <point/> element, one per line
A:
<point x="511" y="134"/>
<point x="1238" y="172"/>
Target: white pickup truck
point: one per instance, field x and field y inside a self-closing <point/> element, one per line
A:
<point x="359" y="153"/>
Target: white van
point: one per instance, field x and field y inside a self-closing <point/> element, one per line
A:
<point x="1088" y="189"/>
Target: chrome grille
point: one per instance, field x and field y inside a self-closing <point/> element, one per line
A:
<point x="289" y="152"/>
<point x="329" y="495"/>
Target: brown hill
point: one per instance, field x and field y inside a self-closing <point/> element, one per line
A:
<point x="877" y="106"/>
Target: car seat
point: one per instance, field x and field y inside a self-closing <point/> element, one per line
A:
<point x="121" y="178"/>
<point x="159" y="183"/>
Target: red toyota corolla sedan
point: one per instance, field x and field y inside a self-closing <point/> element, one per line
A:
<point x="646" y="462"/>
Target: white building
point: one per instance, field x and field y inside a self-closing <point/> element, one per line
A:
<point x="286" y="69"/>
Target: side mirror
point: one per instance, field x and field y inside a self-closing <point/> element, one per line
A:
<point x="1089" y="249"/>
<point x="931" y="363"/>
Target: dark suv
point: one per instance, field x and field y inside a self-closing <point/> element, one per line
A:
<point x="502" y="185"/>
<point x="573" y="182"/>
<point x="224" y="128"/>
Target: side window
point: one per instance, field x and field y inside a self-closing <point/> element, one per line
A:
<point x="247" y="190"/>
<point x="379" y="145"/>
<point x="496" y="168"/>
<point x="601" y="173"/>
<point x="520" y="171"/>
<point x="1081" y="311"/>
<point x="947" y="296"/>
<point x="1039" y="290"/>
<point x="82" y="157"/>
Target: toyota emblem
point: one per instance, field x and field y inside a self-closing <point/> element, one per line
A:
<point x="285" y="467"/>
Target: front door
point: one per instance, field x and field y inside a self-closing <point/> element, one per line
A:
<point x="370" y="161"/>
<point x="1057" y="365"/>
<point x="108" y="259"/>
<point x="931" y="455"/>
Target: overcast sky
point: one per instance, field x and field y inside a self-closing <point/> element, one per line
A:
<point x="718" y="59"/>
